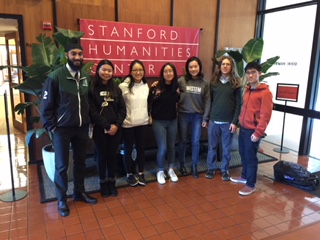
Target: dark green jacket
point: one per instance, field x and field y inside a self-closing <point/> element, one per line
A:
<point x="65" y="100"/>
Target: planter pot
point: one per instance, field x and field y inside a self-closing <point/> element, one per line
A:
<point x="48" y="161"/>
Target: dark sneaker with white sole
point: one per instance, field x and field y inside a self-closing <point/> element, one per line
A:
<point x="225" y="176"/>
<point x="210" y="174"/>
<point x="132" y="180"/>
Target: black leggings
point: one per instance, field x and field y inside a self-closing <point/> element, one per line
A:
<point x="106" y="152"/>
<point x="137" y="136"/>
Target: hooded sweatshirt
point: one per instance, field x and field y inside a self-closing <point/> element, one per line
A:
<point x="136" y="103"/>
<point x="256" y="109"/>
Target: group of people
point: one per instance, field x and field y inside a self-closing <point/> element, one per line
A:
<point x="178" y="107"/>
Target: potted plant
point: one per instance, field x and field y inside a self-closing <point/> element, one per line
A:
<point x="251" y="51"/>
<point x="47" y="55"/>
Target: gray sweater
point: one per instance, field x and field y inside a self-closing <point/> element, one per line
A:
<point x="194" y="97"/>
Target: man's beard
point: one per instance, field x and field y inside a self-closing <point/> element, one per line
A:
<point x="75" y="67"/>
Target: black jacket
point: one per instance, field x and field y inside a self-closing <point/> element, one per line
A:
<point x="112" y="113"/>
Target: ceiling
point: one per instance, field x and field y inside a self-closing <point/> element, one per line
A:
<point x="8" y="25"/>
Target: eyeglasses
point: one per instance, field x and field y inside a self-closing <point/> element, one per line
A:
<point x="137" y="70"/>
<point x="251" y="73"/>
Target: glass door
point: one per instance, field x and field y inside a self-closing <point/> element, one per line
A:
<point x="15" y="78"/>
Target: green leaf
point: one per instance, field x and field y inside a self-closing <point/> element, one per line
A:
<point x="252" y="50"/>
<point x="35" y="119"/>
<point x="45" y="52"/>
<point x="117" y="81"/>
<point x="87" y="67"/>
<point x="20" y="107"/>
<point x="38" y="132"/>
<point x="240" y="68"/>
<point x="29" y="136"/>
<point x="269" y="63"/>
<point x="37" y="70"/>
<point x="220" y="53"/>
<point x="262" y="77"/>
<point x="236" y="55"/>
<point x="63" y="36"/>
<point x="31" y="86"/>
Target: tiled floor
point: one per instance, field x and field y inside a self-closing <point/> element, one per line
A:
<point x="188" y="209"/>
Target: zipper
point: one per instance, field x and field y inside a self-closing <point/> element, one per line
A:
<point x="79" y="100"/>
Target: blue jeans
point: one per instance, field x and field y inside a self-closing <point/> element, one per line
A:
<point x="215" y="131"/>
<point x="194" y="121"/>
<point x="165" y="132"/>
<point x="248" y="151"/>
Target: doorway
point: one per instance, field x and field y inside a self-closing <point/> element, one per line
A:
<point x="12" y="54"/>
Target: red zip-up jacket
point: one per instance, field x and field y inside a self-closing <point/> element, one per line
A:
<point x="256" y="109"/>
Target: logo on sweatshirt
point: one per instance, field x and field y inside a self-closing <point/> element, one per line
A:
<point x="193" y="89"/>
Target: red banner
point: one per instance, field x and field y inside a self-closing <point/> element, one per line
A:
<point x="152" y="44"/>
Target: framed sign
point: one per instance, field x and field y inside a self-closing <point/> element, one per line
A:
<point x="287" y="92"/>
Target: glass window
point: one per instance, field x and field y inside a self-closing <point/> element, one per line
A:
<point x="315" y="149"/>
<point x="283" y="32"/>
<point x="317" y="98"/>
<point x="282" y="36"/>
<point x="280" y="3"/>
<point x="290" y="138"/>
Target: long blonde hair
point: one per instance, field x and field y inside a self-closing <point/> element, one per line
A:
<point x="233" y="78"/>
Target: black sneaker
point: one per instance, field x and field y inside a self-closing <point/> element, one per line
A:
<point x="132" y="181"/>
<point x="141" y="180"/>
<point x="225" y="176"/>
<point x="210" y="174"/>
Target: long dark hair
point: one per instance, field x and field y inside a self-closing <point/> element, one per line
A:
<point x="97" y="80"/>
<point x="130" y="74"/>
<point x="187" y="75"/>
<point x="162" y="81"/>
<point x="233" y="79"/>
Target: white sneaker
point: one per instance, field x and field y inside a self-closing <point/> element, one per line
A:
<point x="161" y="177"/>
<point x="238" y="180"/>
<point x="173" y="176"/>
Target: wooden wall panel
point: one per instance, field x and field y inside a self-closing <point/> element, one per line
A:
<point x="34" y="12"/>
<point x="145" y="11"/>
<point x="199" y="14"/>
<point x="237" y="22"/>
<point x="69" y="11"/>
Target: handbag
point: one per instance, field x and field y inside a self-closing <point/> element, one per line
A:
<point x="91" y="126"/>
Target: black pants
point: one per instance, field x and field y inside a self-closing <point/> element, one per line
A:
<point x="137" y="136"/>
<point x="106" y="151"/>
<point x="78" y="138"/>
